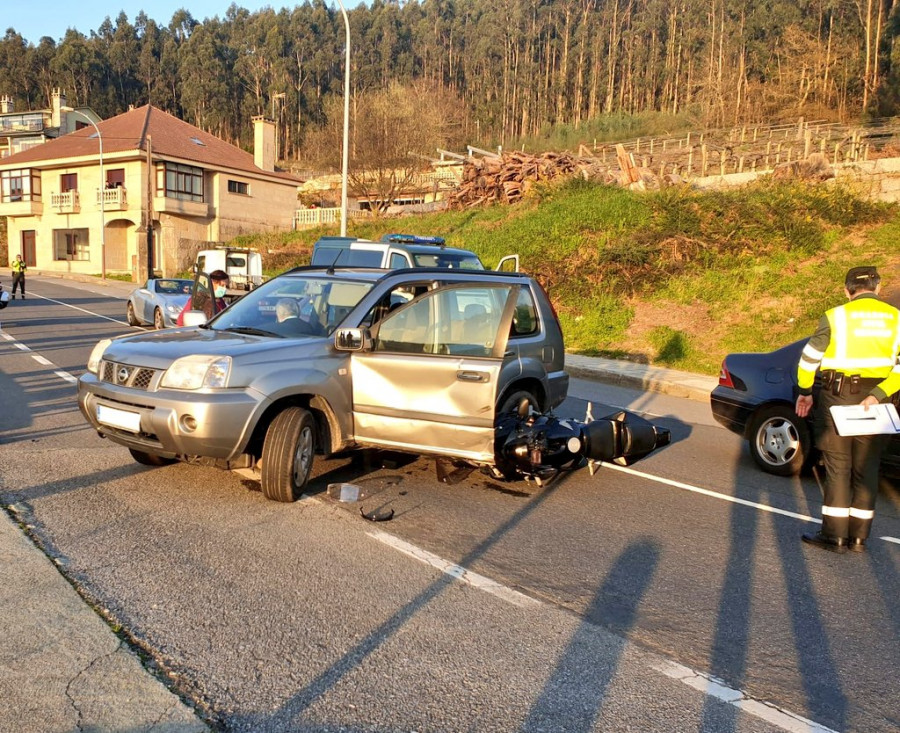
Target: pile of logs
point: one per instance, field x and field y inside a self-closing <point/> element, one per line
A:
<point x="508" y="177"/>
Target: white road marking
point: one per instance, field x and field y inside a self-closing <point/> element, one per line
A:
<point x="457" y="571"/>
<point x="83" y="310"/>
<point x="716" y="688"/>
<point x="713" y="494"/>
<point x="700" y="681"/>
<point x="40" y="359"/>
<point x="895" y="540"/>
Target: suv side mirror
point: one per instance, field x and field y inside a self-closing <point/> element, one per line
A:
<point x="194" y="318"/>
<point x="351" y="339"/>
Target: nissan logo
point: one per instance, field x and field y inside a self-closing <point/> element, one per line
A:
<point x="122" y="375"/>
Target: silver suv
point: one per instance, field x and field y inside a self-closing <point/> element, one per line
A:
<point x="324" y="360"/>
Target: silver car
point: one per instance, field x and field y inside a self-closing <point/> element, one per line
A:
<point x="323" y="360"/>
<point x="158" y="302"/>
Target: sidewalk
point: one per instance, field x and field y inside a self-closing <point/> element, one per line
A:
<point x="61" y="666"/>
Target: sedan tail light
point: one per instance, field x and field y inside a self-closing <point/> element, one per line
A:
<point x="725" y="379"/>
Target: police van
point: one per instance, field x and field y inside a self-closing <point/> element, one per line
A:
<point x="397" y="251"/>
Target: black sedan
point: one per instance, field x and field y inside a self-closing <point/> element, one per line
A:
<point x="755" y="399"/>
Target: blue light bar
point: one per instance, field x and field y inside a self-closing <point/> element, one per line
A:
<point x="412" y="239"/>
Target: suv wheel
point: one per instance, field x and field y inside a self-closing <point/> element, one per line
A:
<point x="511" y="402"/>
<point x="779" y="440"/>
<point x="288" y="452"/>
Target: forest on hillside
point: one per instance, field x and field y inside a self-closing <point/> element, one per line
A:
<point x="489" y="72"/>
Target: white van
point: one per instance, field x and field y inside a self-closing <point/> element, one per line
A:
<point x="244" y="266"/>
<point x="397" y="251"/>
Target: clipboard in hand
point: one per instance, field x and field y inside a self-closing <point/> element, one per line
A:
<point x="854" y="420"/>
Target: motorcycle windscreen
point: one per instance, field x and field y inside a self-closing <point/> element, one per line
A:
<point x="429" y="384"/>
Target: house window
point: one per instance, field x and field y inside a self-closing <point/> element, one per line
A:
<point x="20" y="185"/>
<point x="240" y="187"/>
<point x="177" y="181"/>
<point x="115" y="178"/>
<point x="71" y="244"/>
<point x="68" y="182"/>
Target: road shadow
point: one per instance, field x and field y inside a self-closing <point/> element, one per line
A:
<point x="573" y="696"/>
<point x="817" y="664"/>
<point x="288" y="716"/>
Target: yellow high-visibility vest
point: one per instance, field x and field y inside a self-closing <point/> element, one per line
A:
<point x="865" y="338"/>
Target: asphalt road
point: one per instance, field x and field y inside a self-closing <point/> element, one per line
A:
<point x="570" y="609"/>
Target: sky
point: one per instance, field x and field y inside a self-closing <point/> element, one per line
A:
<point x="53" y="17"/>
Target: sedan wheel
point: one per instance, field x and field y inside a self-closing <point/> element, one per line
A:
<point x="158" y="320"/>
<point x="130" y="315"/>
<point x="288" y="453"/>
<point x="779" y="440"/>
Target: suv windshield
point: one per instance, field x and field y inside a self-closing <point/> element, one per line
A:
<point x="293" y="306"/>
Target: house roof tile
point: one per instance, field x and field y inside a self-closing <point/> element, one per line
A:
<point x="170" y="138"/>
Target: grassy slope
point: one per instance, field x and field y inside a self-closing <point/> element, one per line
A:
<point x="675" y="277"/>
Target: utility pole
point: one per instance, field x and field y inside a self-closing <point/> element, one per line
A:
<point x="149" y="207"/>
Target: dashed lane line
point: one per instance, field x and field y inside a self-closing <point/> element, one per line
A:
<point x="71" y="378"/>
<point x="705" y="683"/>
<point x="716" y="688"/>
<point x="457" y="571"/>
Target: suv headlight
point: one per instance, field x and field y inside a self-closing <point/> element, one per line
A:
<point x="93" y="363"/>
<point x="197" y="371"/>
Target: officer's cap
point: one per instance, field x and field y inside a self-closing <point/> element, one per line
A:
<point x="862" y="278"/>
<point x="861" y="273"/>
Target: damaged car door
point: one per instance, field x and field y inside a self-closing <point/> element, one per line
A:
<point x="427" y="379"/>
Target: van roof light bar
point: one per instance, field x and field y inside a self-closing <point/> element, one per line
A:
<point x="412" y="239"/>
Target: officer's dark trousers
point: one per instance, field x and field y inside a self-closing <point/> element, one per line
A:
<point x="851" y="466"/>
<point x="18" y="281"/>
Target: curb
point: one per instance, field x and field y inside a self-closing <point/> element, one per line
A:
<point x="686" y="385"/>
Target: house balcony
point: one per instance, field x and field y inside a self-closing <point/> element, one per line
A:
<point x="180" y="207"/>
<point x="21" y="207"/>
<point x="112" y="199"/>
<point x="65" y="203"/>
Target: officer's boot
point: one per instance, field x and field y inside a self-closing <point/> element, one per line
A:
<point x="833" y="535"/>
<point x="860" y="526"/>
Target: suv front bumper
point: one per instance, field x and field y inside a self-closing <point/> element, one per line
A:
<point x="162" y="422"/>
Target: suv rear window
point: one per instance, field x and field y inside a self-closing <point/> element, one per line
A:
<point x="328" y="256"/>
<point x="447" y="259"/>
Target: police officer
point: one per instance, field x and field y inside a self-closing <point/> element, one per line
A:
<point x="18" y="275"/>
<point x="856" y="346"/>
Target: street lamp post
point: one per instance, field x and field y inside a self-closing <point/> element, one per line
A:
<point x="346" y="158"/>
<point x="102" y="197"/>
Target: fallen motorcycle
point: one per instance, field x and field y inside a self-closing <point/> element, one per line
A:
<point x="539" y="447"/>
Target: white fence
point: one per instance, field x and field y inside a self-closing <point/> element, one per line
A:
<point x="309" y="218"/>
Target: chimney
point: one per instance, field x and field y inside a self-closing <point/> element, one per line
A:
<point x="6" y="104"/>
<point x="59" y="101"/>
<point x="264" y="143"/>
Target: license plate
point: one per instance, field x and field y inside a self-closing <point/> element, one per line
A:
<point x="115" y="418"/>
